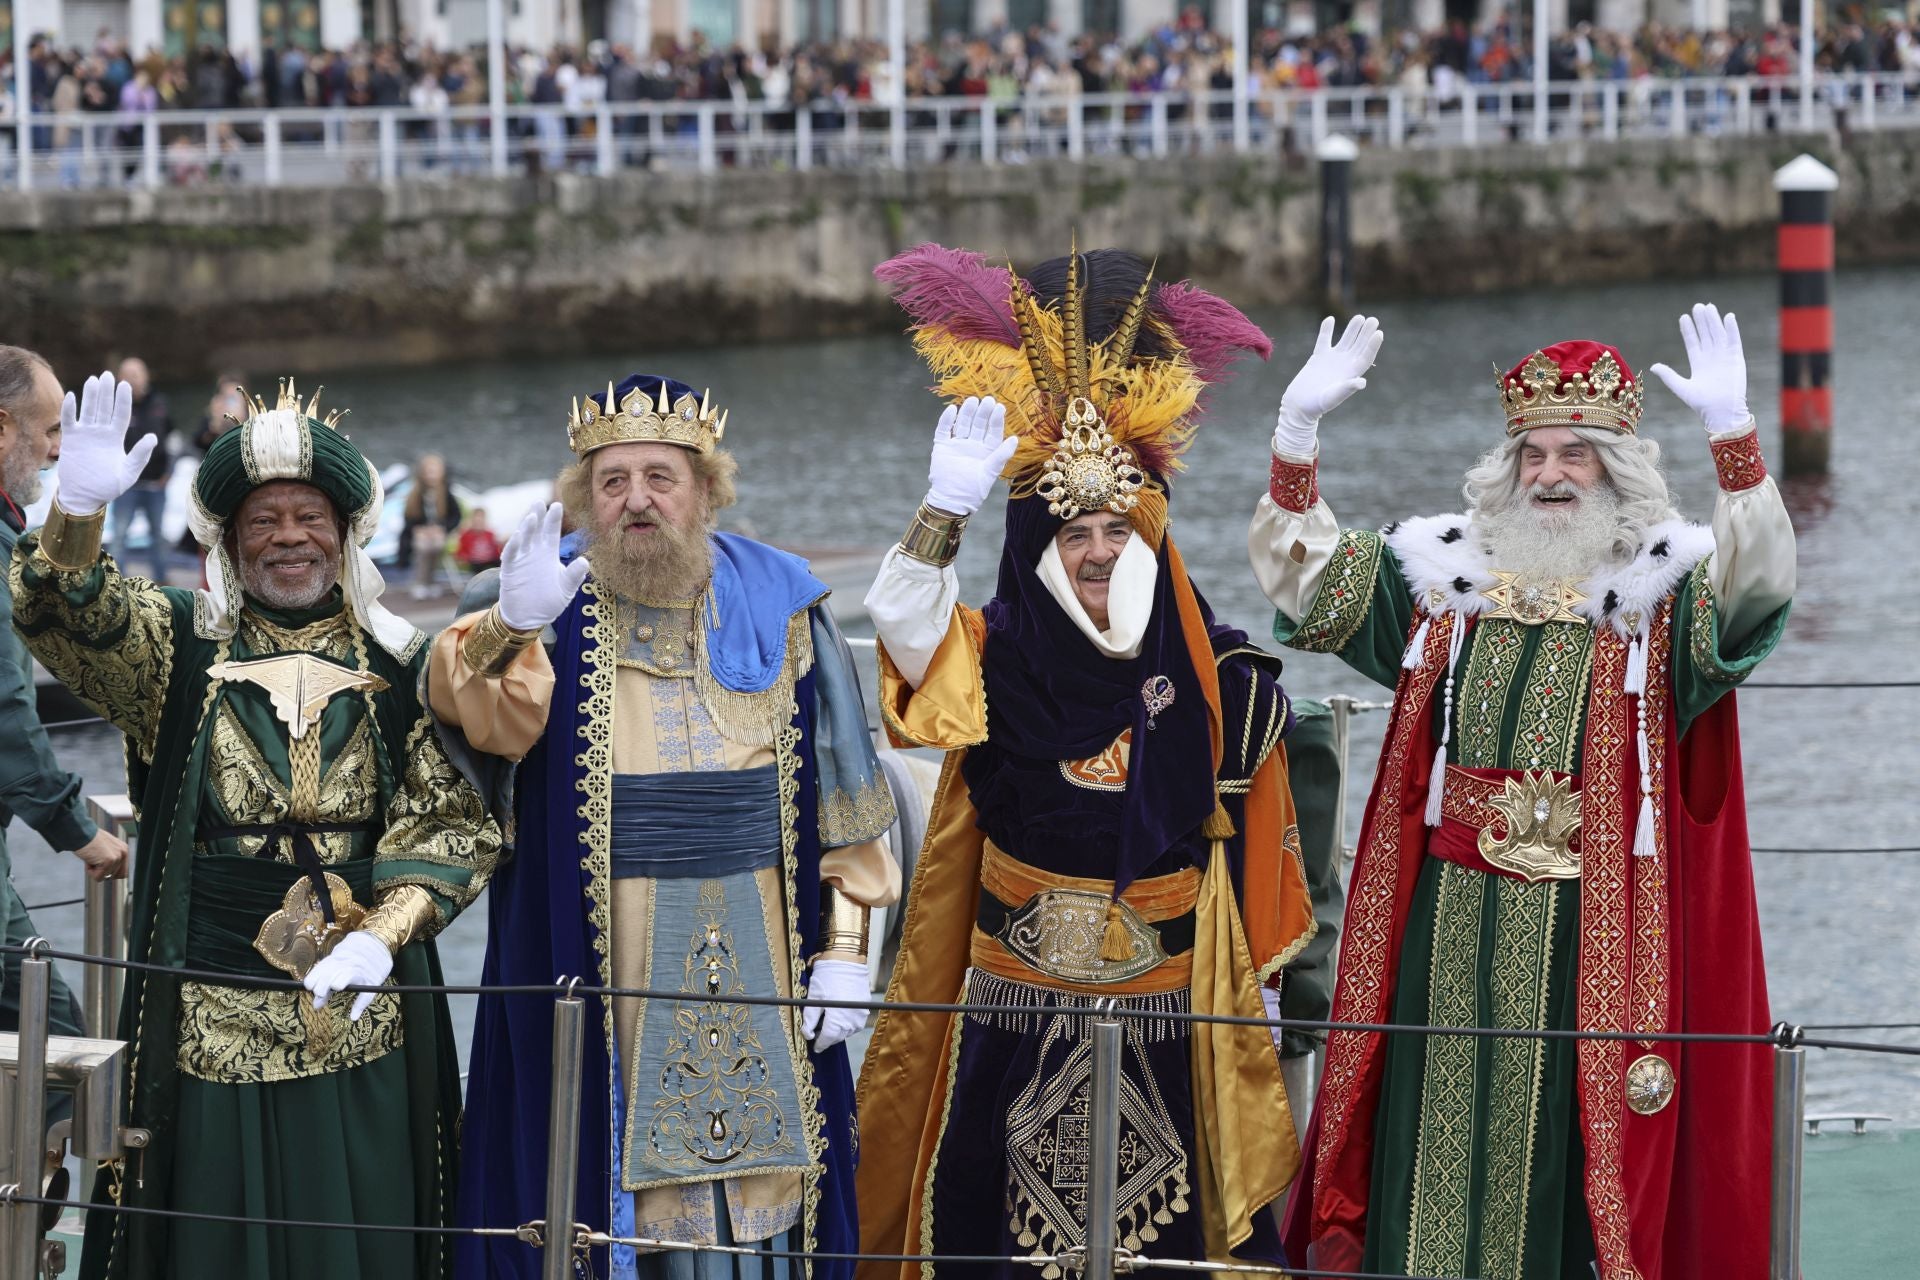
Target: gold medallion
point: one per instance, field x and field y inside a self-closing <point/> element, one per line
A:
<point x="296" y="937"/>
<point x="299" y="685"/>
<point x="1542" y="815"/>
<point x="1650" y="1084"/>
<point x="1531" y="604"/>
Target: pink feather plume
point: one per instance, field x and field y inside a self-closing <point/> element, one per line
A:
<point x="952" y="290"/>
<point x="1213" y="330"/>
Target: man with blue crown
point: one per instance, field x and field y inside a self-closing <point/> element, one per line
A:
<point x="698" y="809"/>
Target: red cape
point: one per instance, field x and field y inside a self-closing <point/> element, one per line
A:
<point x="1674" y="1195"/>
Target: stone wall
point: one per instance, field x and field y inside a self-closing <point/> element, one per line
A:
<point x="300" y="280"/>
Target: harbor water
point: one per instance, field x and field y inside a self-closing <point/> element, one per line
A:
<point x="832" y="439"/>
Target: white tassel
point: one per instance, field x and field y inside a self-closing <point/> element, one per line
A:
<point x="1643" y="832"/>
<point x="1635" y="682"/>
<point x="1410" y="661"/>
<point x="1437" y="782"/>
<point x="1437" y="786"/>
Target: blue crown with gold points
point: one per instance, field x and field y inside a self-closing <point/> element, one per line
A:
<point x="646" y="408"/>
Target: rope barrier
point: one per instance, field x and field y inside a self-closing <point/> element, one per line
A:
<point x="1886" y="849"/>
<point x="1860" y="1026"/>
<point x="601" y="1238"/>
<point x="11" y="1194"/>
<point x="574" y="985"/>
<point x="48" y="906"/>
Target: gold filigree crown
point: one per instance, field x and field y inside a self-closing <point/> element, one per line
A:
<point x="289" y="398"/>
<point x="692" y="424"/>
<point x="1544" y="392"/>
<point x="1089" y="470"/>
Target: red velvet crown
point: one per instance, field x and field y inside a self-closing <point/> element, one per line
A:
<point x="1571" y="384"/>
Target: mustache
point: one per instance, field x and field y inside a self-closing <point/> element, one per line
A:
<point x="1096" y="572"/>
<point x="1562" y="489"/>
<point x="289" y="557"/>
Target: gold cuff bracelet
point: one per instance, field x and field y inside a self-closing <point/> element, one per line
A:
<point x="72" y="542"/>
<point x="493" y="646"/>
<point x="934" y="536"/>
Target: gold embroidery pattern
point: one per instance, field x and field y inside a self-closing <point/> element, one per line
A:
<point x="1604" y="999"/>
<point x="754" y="719"/>
<point x="1704" y="643"/>
<point x="1106" y="771"/>
<point x="250" y="792"/>
<point x="1049" y="1150"/>
<point x="850" y="819"/>
<point x="244" y="1035"/>
<point x="1443" y="1159"/>
<point x="114" y="651"/>
<point x="437" y="817"/>
<point x="1345" y="596"/>
<point x="330" y="637"/>
<point x="595" y="783"/>
<point x="786" y="756"/>
<point x="1481" y="705"/>
<point x="1522" y="969"/>
<point x="1554" y="699"/>
<point x="1650" y="874"/>
<point x="719" y="1107"/>
<point x="1360" y="990"/>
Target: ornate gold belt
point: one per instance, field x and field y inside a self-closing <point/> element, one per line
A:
<point x="1524" y="824"/>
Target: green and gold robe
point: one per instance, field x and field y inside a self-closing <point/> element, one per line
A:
<point x="258" y="1105"/>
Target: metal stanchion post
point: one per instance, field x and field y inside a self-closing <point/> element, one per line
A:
<point x="563" y="1137"/>
<point x="106" y="920"/>
<point x="20" y="1256"/>
<point x="1103" y="1165"/>
<point x="1789" y="1149"/>
<point x="1342" y="705"/>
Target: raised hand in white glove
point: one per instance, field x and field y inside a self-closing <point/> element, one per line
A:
<point x="535" y="588"/>
<point x="357" y="960"/>
<point x="95" y="465"/>
<point x="1270" y="1000"/>
<point x="970" y="446"/>
<point x="1331" y="374"/>
<point x="1716" y="387"/>
<point x="834" y="980"/>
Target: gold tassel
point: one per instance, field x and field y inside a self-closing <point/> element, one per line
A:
<point x="1114" y="943"/>
<point x="1218" y="825"/>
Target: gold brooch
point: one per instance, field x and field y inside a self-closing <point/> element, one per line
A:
<point x="1157" y="693"/>
<point x="1089" y="471"/>
<point x="1650" y="1084"/>
<point x="1531" y="604"/>
<point x="1543" y="816"/>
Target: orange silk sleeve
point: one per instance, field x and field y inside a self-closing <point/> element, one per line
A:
<point x="1278" y="909"/>
<point x="949" y="709"/>
<point x="504" y="716"/>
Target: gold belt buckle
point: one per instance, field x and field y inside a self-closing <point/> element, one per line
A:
<point x="1059" y="932"/>
<point x="1543" y="816"/>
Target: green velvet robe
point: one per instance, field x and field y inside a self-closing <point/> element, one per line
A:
<point x="249" y="1115"/>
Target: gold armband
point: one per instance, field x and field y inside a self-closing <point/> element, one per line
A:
<point x="72" y="542"/>
<point x="405" y="913"/>
<point x="934" y="536"/>
<point x="493" y="646"/>
<point x="843" y="924"/>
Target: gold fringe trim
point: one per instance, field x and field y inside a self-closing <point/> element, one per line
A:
<point x="753" y="719"/>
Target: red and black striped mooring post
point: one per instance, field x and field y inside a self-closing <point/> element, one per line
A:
<point x="1806" y="190"/>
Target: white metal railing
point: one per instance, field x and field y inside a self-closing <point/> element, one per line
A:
<point x="312" y="147"/>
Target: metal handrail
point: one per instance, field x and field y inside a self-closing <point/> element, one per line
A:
<point x="305" y="146"/>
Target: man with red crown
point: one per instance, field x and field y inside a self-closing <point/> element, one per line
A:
<point x="1556" y="838"/>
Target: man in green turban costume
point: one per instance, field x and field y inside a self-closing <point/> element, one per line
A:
<point x="299" y="817"/>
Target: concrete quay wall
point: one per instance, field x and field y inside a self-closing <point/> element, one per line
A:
<point x="303" y="280"/>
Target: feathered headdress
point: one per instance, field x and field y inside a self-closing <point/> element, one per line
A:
<point x="1099" y="425"/>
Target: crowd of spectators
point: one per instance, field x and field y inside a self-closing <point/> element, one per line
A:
<point x="1179" y="56"/>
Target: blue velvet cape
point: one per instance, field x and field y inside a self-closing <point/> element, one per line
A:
<point x="539" y="933"/>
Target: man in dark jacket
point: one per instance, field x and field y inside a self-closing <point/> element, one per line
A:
<point x="148" y="497"/>
<point x="31" y="784"/>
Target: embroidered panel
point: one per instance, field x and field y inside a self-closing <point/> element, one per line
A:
<point x="865" y="814"/>
<point x="1704" y="640"/>
<point x="1650" y="931"/>
<point x="437" y="817"/>
<point x="1293" y="486"/>
<point x="1437" y="1228"/>
<point x="248" y="791"/>
<point x="113" y="649"/>
<point x="1522" y="969"/>
<point x="1494" y="655"/>
<point x="1346" y="594"/>
<point x="1738" y="462"/>
<point x="1553" y="701"/>
<point x="1106" y="771"/>
<point x="244" y="1035"/>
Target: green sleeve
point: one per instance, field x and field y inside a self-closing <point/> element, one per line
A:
<point x="1363" y="611"/>
<point x="439" y="834"/>
<point x="107" y="637"/>
<point x="1704" y="664"/>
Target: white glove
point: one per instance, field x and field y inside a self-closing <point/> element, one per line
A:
<point x="535" y="588"/>
<point x="970" y="446"/>
<point x="834" y="980"/>
<point x="95" y="466"/>
<point x="357" y="960"/>
<point x="1331" y="374"/>
<point x="1270" y="1000"/>
<point x="1717" y="389"/>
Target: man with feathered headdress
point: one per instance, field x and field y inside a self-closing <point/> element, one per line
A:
<point x="1113" y="821"/>
<point x="299" y="816"/>
<point x="1556" y="838"/>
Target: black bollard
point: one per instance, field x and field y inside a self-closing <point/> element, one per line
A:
<point x="1337" y="153"/>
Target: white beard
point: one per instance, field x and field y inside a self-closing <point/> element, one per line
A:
<point x="1544" y="544"/>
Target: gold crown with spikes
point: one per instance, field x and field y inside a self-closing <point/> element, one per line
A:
<point x="1088" y="470"/>
<point x="1542" y="394"/>
<point x="691" y="424"/>
<point x="290" y="399"/>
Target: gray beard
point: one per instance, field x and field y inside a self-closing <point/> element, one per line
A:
<point x="1542" y="545"/>
<point x="21" y="474"/>
<point x="256" y="582"/>
<point x="673" y="566"/>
